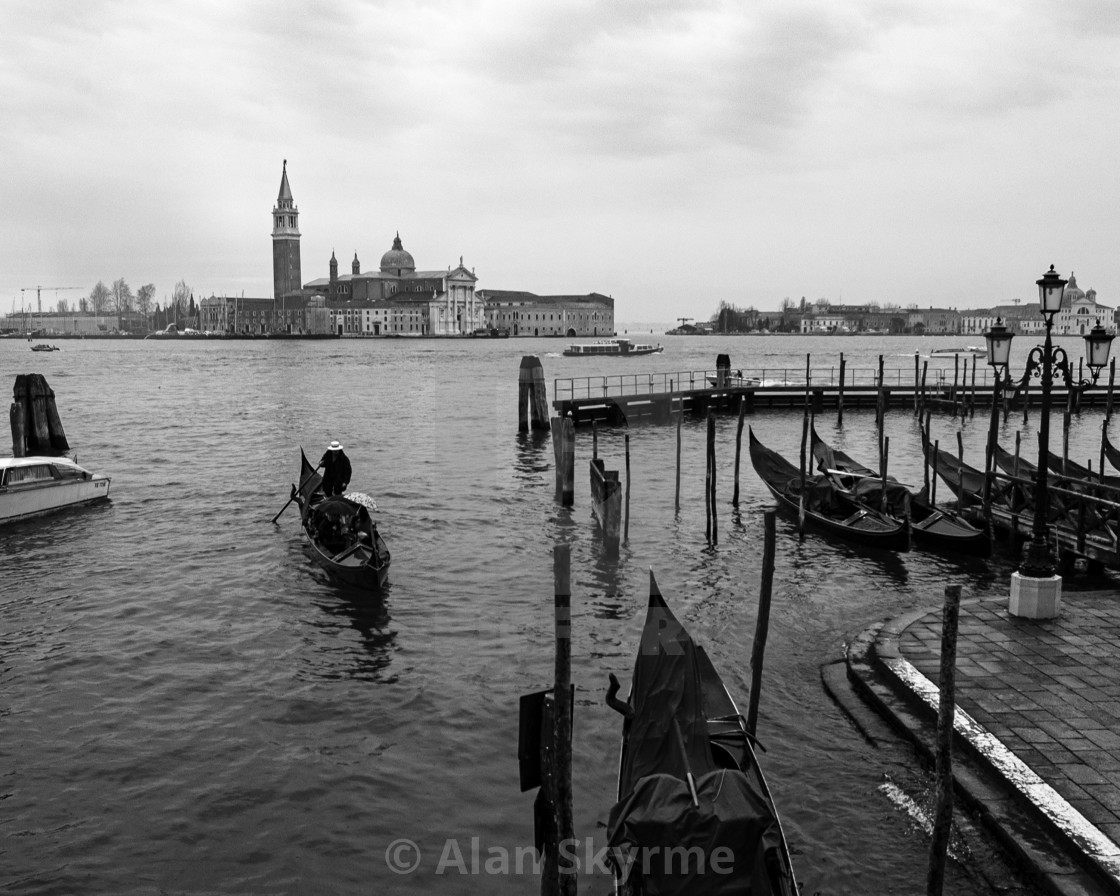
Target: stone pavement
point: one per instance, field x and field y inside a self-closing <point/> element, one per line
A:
<point x="1037" y="752"/>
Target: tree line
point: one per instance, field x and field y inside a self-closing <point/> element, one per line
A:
<point x="119" y="299"/>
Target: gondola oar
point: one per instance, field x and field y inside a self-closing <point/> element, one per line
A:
<point x="296" y="492"/>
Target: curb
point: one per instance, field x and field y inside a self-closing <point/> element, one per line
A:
<point x="1065" y="852"/>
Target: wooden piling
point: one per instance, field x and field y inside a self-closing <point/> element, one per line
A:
<point x="1111" y="383"/>
<point x="606" y="503"/>
<point x="916" y="362"/>
<point x="880" y="404"/>
<point x="532" y="396"/>
<point x="801" y="490"/>
<point x="36" y="425"/>
<point x="626" y="529"/>
<point x="972" y="392"/>
<point x="562" y="690"/>
<point x="762" y="624"/>
<point x="564" y="454"/>
<point x="1066" y="416"/>
<point x="594" y="440"/>
<point x="738" y="448"/>
<point x="712" y="529"/>
<point x="956" y="380"/>
<point x="943" y="815"/>
<point x="680" y="418"/>
<point x="883" y="471"/>
<point x="840" y="395"/>
<point x="990" y="449"/>
<point x="933" y="477"/>
<point x="960" y="469"/>
<point x="925" y="369"/>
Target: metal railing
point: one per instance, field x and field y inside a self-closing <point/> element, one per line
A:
<point x="638" y="384"/>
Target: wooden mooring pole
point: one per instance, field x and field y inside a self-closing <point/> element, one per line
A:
<point x="562" y="690"/>
<point x="626" y="525"/>
<point x="1111" y="383"/>
<point x="943" y="816"/>
<point x="739" y="447"/>
<point x="36" y="425"/>
<point x="916" y="384"/>
<point x="564" y="454"/>
<point x="712" y="529"/>
<point x="762" y="624"/>
<point x="680" y="418"/>
<point x="531" y="391"/>
<point x="840" y="395"/>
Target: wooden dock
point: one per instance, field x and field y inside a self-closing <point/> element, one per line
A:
<point x="656" y="397"/>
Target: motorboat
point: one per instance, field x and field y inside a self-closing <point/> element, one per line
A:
<point x="32" y="486"/>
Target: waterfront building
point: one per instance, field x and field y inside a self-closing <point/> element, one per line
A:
<point x="1078" y="315"/>
<point x="933" y="321"/>
<point x="527" y="314"/>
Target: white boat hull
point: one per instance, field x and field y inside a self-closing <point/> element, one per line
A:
<point x="22" y="502"/>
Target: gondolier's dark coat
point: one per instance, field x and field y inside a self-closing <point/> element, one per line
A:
<point x="336" y="471"/>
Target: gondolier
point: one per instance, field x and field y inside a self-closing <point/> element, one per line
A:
<point x="336" y="470"/>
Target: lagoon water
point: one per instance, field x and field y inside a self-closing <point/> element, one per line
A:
<point x="188" y="705"/>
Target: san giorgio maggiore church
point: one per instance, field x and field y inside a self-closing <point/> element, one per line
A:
<point x="395" y="300"/>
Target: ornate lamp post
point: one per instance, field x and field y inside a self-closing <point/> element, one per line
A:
<point x="1036" y="573"/>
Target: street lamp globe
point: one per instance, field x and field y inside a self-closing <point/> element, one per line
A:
<point x="1098" y="341"/>
<point x="999" y="345"/>
<point x="1051" y="288"/>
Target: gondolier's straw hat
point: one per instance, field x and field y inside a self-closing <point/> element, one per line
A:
<point x="334" y="446"/>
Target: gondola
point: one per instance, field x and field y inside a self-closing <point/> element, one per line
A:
<point x="343" y="537"/>
<point x="1111" y="452"/>
<point x="964" y="481"/>
<point x="932" y="526"/>
<point x="690" y="790"/>
<point x="826" y="506"/>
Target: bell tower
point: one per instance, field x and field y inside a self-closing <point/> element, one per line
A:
<point x="286" y="275"/>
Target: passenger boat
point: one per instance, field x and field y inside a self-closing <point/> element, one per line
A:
<point x="689" y="782"/>
<point x="43" y="347"/>
<point x="33" y="486"/>
<point x="826" y="506"/>
<point x="343" y="537"/>
<point x="932" y="526"/>
<point x="625" y="347"/>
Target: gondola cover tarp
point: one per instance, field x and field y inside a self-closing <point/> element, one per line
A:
<point x="729" y="844"/>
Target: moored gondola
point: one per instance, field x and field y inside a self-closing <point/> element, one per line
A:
<point x="694" y="814"/>
<point x="932" y="526"/>
<point x="826" y="506"/>
<point x="343" y="537"/>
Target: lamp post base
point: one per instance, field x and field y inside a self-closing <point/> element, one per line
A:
<point x="1035" y="598"/>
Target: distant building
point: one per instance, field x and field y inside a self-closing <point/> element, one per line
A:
<point x="527" y="314"/>
<point x="933" y="321"/>
<point x="1079" y="313"/>
<point x="397" y="299"/>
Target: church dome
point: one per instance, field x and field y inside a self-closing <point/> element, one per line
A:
<point x="1073" y="292"/>
<point x="397" y="259"/>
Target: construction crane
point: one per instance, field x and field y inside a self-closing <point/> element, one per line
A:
<point x="38" y="293"/>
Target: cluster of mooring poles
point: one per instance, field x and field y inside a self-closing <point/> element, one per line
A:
<point x="36" y="426"/>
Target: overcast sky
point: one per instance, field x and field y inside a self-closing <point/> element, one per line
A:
<point x="670" y="154"/>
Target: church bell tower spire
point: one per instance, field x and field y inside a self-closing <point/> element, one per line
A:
<point x="286" y="276"/>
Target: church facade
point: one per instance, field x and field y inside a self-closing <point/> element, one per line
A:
<point x="398" y="300"/>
